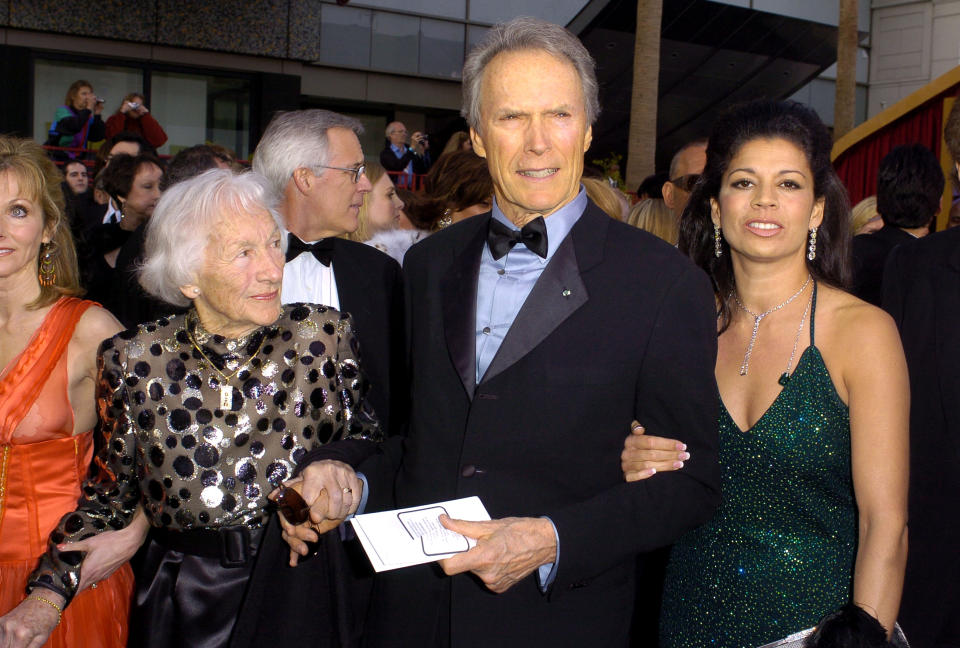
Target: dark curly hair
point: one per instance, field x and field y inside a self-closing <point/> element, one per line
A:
<point x="768" y="119"/>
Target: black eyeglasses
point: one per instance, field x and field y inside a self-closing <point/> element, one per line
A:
<point x="356" y="171"/>
<point x="687" y="182"/>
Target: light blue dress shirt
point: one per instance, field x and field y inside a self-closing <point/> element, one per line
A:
<point x="502" y="287"/>
<point x="400" y="151"/>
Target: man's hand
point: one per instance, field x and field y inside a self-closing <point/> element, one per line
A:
<point x="419" y="142"/>
<point x="644" y="456"/>
<point x="333" y="491"/>
<point x="507" y="550"/>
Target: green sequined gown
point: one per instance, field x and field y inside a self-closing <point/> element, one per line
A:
<point x="779" y="553"/>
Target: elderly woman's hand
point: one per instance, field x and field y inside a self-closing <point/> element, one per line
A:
<point x="643" y="455"/>
<point x="108" y="551"/>
<point x="29" y="624"/>
<point x="333" y="491"/>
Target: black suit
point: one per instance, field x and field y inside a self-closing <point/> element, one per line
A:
<point x="390" y="161"/>
<point x="870" y="252"/>
<point x="619" y="326"/>
<point x="370" y="287"/>
<point x="922" y="293"/>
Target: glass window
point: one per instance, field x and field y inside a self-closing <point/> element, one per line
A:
<point x="445" y="9"/>
<point x="344" y="36"/>
<point x="474" y="34"/>
<point x="197" y="109"/>
<point x="560" y="12"/>
<point x="441" y="48"/>
<point x="52" y="78"/>
<point x="395" y="43"/>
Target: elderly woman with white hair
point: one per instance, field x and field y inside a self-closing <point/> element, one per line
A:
<point x="211" y="414"/>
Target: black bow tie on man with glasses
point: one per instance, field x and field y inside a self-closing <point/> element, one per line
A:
<point x="322" y="250"/>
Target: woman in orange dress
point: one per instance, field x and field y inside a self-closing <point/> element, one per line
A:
<point x="48" y="344"/>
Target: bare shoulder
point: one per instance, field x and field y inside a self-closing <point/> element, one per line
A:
<point x="95" y="325"/>
<point x="853" y="330"/>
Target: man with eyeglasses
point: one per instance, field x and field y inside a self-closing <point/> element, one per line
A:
<point x="685" y="169"/>
<point x="315" y="163"/>
<point x="402" y="159"/>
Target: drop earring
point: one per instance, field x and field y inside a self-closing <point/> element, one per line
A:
<point x="812" y="247"/>
<point x="717" y="247"/>
<point x="48" y="271"/>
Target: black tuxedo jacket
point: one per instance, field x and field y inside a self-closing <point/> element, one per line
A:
<point x="922" y="293"/>
<point x="619" y="326"/>
<point x="870" y="252"/>
<point x="370" y="287"/>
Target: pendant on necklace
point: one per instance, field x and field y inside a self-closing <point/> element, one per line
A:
<point x="226" y="397"/>
<point x="784" y="378"/>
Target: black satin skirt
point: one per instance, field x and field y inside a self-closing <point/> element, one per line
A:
<point x="190" y="601"/>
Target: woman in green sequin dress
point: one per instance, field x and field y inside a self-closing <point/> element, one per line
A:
<point x="814" y="401"/>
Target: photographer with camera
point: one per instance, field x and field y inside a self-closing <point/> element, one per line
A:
<point x="133" y="117"/>
<point x="77" y="122"/>
<point x="403" y="160"/>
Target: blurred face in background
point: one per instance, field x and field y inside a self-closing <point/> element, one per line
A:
<point x="77" y="178"/>
<point x="397" y="134"/>
<point x="144" y="193"/>
<point x="383" y="206"/>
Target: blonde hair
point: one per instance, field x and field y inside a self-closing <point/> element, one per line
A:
<point x="455" y="143"/>
<point x="862" y="212"/>
<point x="654" y="216"/>
<point x="39" y="180"/>
<point x="374" y="172"/>
<point x="607" y="198"/>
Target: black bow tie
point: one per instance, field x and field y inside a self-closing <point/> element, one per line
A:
<point x="501" y="238"/>
<point x="322" y="250"/>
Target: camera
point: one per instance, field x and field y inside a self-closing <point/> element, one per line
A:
<point x="134" y="105"/>
<point x="100" y="100"/>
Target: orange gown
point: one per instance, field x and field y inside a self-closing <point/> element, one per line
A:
<point x="42" y="465"/>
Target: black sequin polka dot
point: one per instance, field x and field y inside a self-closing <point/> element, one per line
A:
<point x="176" y="370"/>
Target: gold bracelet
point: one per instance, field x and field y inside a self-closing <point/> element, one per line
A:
<point x="56" y="607"/>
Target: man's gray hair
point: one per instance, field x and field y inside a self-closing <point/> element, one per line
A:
<point x="185" y="219"/>
<point x="297" y="139"/>
<point x="526" y="33"/>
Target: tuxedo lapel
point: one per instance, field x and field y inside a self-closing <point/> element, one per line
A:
<point x="558" y="293"/>
<point x="458" y="290"/>
<point x="352" y="282"/>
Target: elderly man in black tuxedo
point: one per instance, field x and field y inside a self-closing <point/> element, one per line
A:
<point x="921" y="290"/>
<point x="538" y="332"/>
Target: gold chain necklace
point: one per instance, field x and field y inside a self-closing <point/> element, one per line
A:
<point x="226" y="390"/>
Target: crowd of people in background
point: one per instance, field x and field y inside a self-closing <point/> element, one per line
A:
<point x="704" y="364"/>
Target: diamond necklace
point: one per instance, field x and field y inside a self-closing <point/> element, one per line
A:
<point x="757" y="319"/>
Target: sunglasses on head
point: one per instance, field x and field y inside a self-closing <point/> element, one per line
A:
<point x="687" y="182"/>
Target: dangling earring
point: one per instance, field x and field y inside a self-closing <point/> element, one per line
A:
<point x="446" y="220"/>
<point x="48" y="272"/>
<point x="717" y="248"/>
<point x="812" y="248"/>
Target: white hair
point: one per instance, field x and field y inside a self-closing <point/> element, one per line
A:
<point x="526" y="33"/>
<point x="297" y="139"/>
<point x="184" y="220"/>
